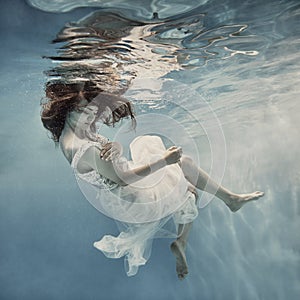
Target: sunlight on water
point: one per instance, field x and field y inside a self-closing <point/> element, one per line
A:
<point x="137" y="8"/>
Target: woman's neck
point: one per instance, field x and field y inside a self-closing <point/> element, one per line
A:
<point x="71" y="140"/>
<point x="87" y="133"/>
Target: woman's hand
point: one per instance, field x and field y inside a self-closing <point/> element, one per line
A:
<point x="111" y="151"/>
<point x="173" y="155"/>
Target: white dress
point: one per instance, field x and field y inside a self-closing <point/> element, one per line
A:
<point x="145" y="209"/>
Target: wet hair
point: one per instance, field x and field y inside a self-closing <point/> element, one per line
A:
<point x="63" y="98"/>
<point x="83" y="70"/>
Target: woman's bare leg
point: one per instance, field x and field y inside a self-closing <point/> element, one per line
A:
<point x="201" y="180"/>
<point x="178" y="249"/>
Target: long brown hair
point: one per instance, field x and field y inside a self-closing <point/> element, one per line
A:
<point x="84" y="68"/>
<point x="62" y="98"/>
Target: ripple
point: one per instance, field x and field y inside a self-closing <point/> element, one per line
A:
<point x="112" y="49"/>
<point x="144" y="9"/>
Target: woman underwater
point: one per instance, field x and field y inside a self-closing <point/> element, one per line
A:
<point x="163" y="181"/>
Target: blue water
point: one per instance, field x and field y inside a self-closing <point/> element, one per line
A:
<point x="251" y="83"/>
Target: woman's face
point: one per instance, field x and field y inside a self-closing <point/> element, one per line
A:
<point x="84" y="117"/>
<point x="88" y="115"/>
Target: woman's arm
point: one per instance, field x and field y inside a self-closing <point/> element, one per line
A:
<point x="110" y="169"/>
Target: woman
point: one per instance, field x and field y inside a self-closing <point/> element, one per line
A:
<point x="70" y="115"/>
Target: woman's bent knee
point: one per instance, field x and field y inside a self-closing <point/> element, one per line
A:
<point x="186" y="160"/>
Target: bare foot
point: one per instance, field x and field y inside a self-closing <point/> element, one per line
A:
<point x="239" y="200"/>
<point x="178" y="250"/>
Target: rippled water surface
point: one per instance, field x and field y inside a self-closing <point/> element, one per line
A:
<point x="228" y="71"/>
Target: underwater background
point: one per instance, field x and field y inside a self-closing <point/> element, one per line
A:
<point x="244" y="62"/>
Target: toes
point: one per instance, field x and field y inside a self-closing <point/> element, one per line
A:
<point x="182" y="276"/>
<point x="253" y="196"/>
<point x="259" y="193"/>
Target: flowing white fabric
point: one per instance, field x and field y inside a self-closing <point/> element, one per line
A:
<point x="144" y="208"/>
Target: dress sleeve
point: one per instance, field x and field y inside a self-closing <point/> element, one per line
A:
<point x="91" y="177"/>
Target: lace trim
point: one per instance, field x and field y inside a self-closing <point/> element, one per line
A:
<point x="92" y="177"/>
